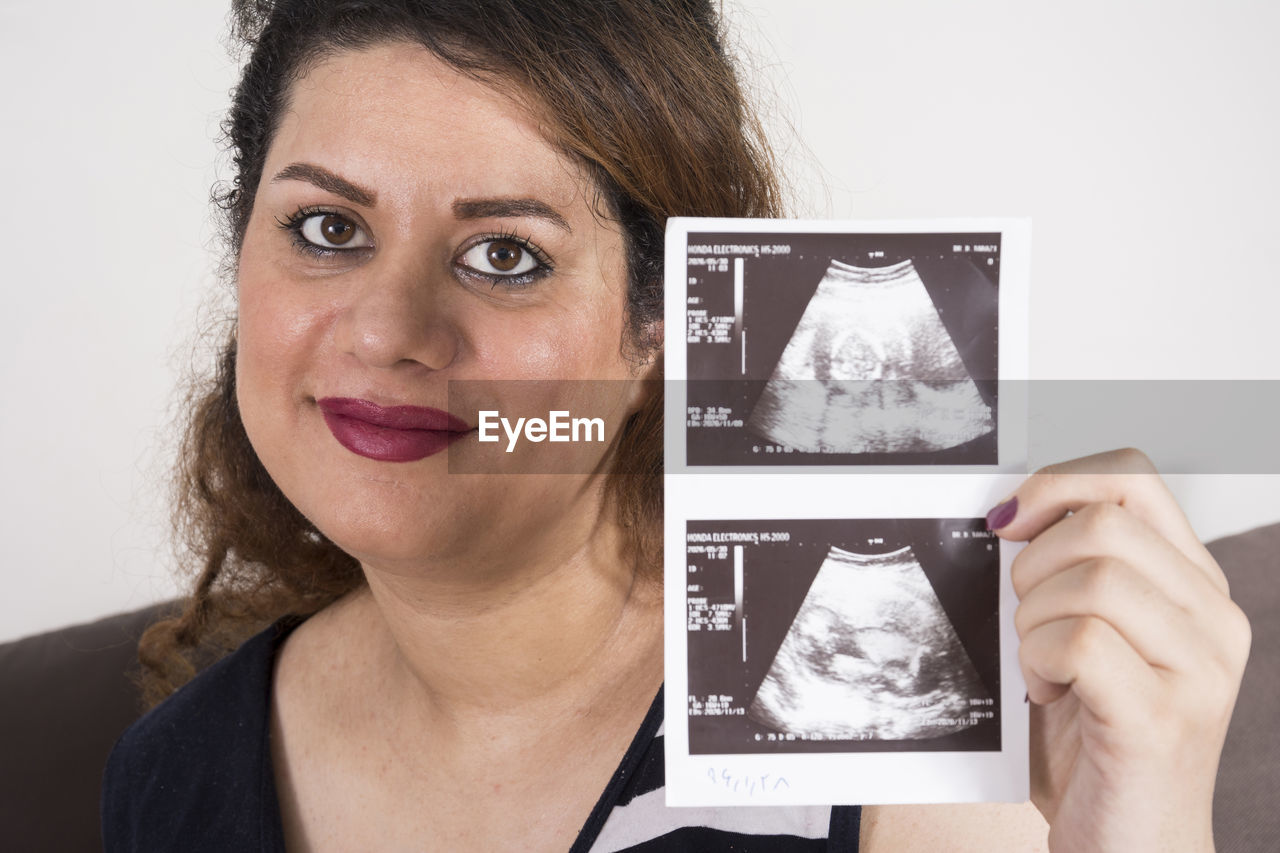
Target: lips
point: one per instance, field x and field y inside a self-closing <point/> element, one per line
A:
<point x="390" y="433"/>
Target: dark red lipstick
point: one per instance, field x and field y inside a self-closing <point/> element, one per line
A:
<point x="390" y="433"/>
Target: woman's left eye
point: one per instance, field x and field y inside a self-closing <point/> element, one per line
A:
<point x="501" y="258"/>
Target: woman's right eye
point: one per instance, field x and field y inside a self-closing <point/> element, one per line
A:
<point x="326" y="232"/>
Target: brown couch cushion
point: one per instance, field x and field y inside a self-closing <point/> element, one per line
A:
<point x="1245" y="816"/>
<point x="64" y="699"/>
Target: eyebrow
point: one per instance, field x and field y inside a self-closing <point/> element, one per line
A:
<point x="482" y="208"/>
<point x="326" y="180"/>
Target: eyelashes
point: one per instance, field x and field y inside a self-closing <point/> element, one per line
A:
<point x="503" y="258"/>
<point x="324" y="233"/>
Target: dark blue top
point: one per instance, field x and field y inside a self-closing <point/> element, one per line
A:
<point x="195" y="774"/>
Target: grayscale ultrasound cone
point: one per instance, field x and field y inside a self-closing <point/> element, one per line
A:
<point x="871" y="655"/>
<point x="870" y="369"/>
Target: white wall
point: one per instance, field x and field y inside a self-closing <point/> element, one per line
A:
<point x="1139" y="136"/>
<point x="109" y="117"/>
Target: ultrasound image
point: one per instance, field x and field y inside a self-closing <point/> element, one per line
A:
<point x="870" y="369"/>
<point x="842" y="349"/>
<point x="871" y="654"/>
<point x="843" y="635"/>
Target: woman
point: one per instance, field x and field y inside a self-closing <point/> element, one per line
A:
<point x="474" y="193"/>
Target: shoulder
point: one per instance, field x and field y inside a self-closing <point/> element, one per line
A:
<point x="188" y="763"/>
<point x="962" y="827"/>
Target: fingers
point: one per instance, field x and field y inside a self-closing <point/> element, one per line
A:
<point x="1117" y="594"/>
<point x="1105" y="530"/>
<point x="1124" y="478"/>
<point x="1117" y="685"/>
<point x="1108" y="589"/>
<point x="1088" y="656"/>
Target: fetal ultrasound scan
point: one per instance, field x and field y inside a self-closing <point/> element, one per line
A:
<point x="839" y="619"/>
<point x="821" y="349"/>
<point x="843" y="635"/>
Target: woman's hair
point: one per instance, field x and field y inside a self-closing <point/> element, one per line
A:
<point x="640" y="93"/>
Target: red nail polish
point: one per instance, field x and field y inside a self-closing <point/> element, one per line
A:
<point x="1002" y="514"/>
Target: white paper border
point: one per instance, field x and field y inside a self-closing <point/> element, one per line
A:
<point x="846" y="492"/>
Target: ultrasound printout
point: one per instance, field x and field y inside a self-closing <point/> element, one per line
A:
<point x="838" y="620"/>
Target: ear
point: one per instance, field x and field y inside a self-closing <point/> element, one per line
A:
<point x="649" y="374"/>
<point x="652" y="339"/>
<point x="655" y="337"/>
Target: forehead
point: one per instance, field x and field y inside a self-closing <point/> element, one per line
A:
<point x="396" y="118"/>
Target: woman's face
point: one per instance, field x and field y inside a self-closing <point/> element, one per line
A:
<point x="413" y="228"/>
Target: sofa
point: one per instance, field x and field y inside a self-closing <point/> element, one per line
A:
<point x="65" y="697"/>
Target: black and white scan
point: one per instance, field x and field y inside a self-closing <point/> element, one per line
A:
<point x="821" y="349"/>
<point x="843" y="636"/>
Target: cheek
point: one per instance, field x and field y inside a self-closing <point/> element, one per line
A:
<point x="276" y="335"/>
<point x="277" y="322"/>
<point x="256" y="356"/>
<point x="566" y="347"/>
<point x="258" y="347"/>
<point x="531" y="356"/>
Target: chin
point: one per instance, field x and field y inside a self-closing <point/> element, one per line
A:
<point x="495" y="524"/>
<point x="386" y="532"/>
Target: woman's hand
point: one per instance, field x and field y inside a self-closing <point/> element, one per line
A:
<point x="1132" y="652"/>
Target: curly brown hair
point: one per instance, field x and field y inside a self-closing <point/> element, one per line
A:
<point x="640" y="92"/>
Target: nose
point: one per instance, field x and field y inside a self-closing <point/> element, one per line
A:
<point x="399" y="315"/>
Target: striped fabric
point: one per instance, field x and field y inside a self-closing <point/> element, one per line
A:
<point x="632" y="815"/>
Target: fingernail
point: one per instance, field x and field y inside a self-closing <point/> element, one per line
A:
<point x="1002" y="514"/>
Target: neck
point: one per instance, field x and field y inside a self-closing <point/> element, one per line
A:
<point x="570" y="630"/>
